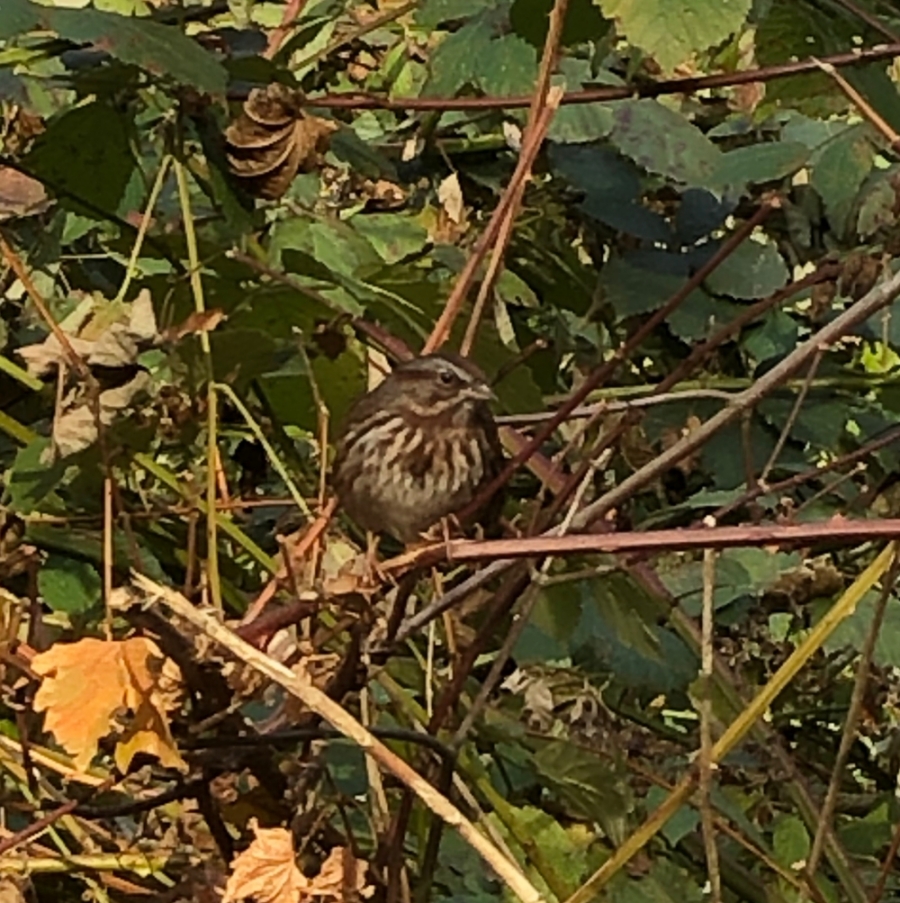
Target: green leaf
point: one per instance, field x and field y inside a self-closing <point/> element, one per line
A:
<point x="579" y="122"/>
<point x="877" y="208"/>
<point x="393" y="235"/>
<point x="775" y="337"/>
<point x="840" y="170"/>
<point x="852" y="632"/>
<point x="159" y="49"/>
<point x="699" y="316"/>
<point x="790" y="841"/>
<point x="673" y="30"/>
<point x="756" y="163"/>
<point x="682" y="823"/>
<point x="754" y="270"/>
<point x="591" y="786"/>
<point x="471" y="56"/>
<point x="16" y="17"/>
<point x="868" y="836"/>
<point x="31" y="480"/>
<point x="79" y="145"/>
<point x="510" y="67"/>
<point x="633" y="290"/>
<point x="435" y="12"/>
<point x="69" y="585"/>
<point x="663" y="141"/>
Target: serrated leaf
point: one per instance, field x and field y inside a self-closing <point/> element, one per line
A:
<point x="840" y="170"/>
<point x="764" y="162"/>
<point x="510" y="67"/>
<point x="159" y="49"/>
<point x="673" y="31"/>
<point x="393" y="235"/>
<point x="754" y="270"/>
<point x="665" y="142"/>
<point x="471" y="56"/>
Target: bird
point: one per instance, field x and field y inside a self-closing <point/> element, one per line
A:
<point x="417" y="449"/>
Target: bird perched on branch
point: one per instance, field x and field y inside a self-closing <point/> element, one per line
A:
<point x="418" y="448"/>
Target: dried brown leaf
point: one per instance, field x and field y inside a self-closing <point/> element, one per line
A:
<point x="266" y="870"/>
<point x="273" y="139"/>
<point x="98" y="341"/>
<point x="197" y="322"/>
<point x="20" y="195"/>
<point x="342" y="878"/>
<point x="451" y="197"/>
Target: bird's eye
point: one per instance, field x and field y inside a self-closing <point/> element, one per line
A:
<point x="447" y="377"/>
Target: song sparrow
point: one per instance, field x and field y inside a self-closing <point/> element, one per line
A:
<point x="418" y="447"/>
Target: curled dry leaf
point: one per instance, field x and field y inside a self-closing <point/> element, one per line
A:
<point x="199" y="321"/>
<point x="273" y="139"/>
<point x="92" y="688"/>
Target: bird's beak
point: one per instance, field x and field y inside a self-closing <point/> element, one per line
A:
<point x="481" y="392"/>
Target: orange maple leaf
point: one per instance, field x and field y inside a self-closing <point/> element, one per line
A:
<point x="92" y="688"/>
<point x="266" y="870"/>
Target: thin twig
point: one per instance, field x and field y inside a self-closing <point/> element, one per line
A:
<point x="363" y="101"/>
<point x="792" y="417"/>
<point x="212" y="542"/>
<point x="886" y="866"/>
<point x="678" y="539"/>
<point x="530" y="147"/>
<point x="538" y="104"/>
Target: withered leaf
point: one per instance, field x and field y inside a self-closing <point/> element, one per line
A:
<point x="20" y="195"/>
<point x="266" y="870"/>
<point x="75" y="425"/>
<point x="112" y="344"/>
<point x="273" y="139"/>
<point x="92" y="686"/>
<point x="197" y="322"/>
<point x="342" y="878"/>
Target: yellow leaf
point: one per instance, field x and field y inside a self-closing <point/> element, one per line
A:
<point x="91" y="688"/>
